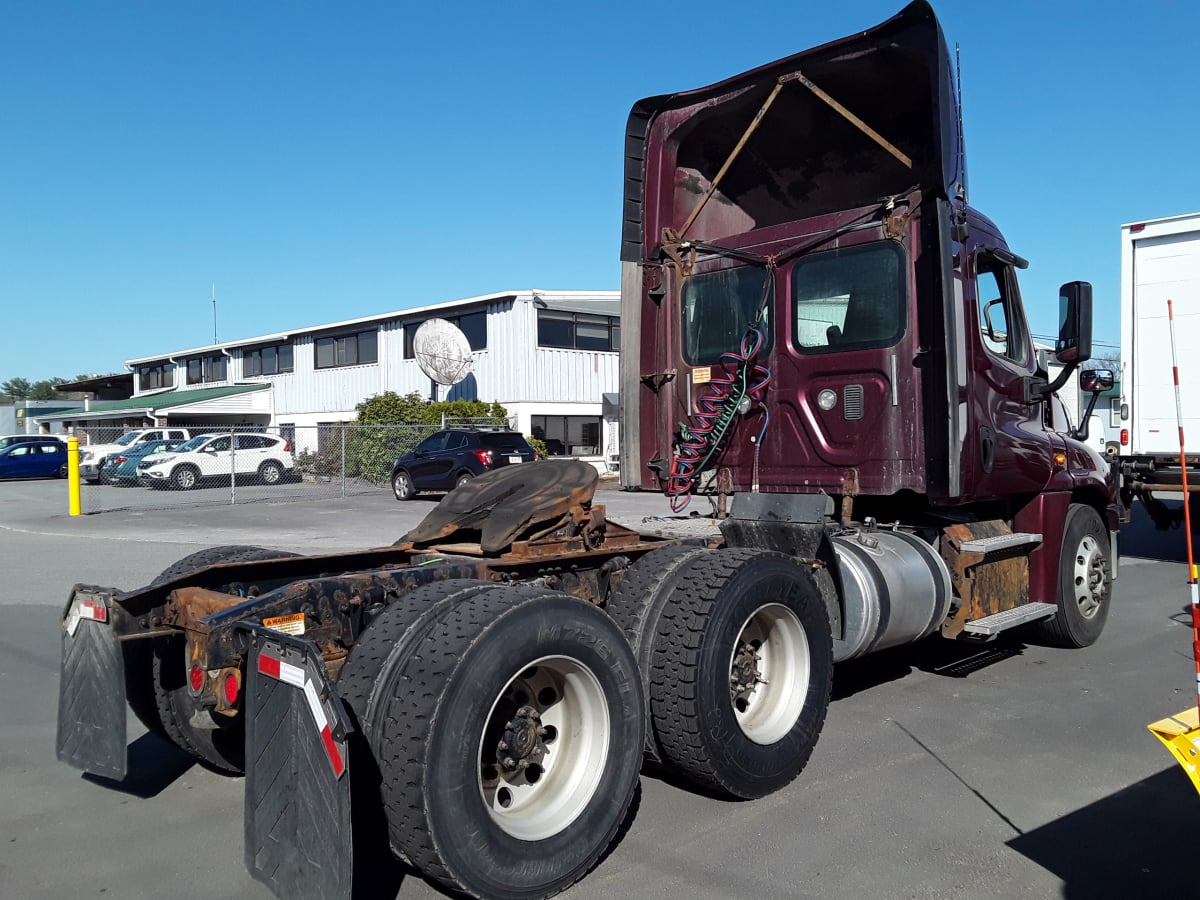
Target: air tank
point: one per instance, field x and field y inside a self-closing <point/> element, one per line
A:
<point x="895" y="589"/>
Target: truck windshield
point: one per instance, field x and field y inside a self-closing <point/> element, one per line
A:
<point x="718" y="309"/>
<point x="852" y="298"/>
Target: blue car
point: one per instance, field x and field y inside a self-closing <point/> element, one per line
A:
<point x="34" y="459"/>
<point x="122" y="468"/>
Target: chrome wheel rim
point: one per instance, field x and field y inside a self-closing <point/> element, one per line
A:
<point x="543" y="749"/>
<point x="769" y="673"/>
<point x="401" y="485"/>
<point x="1089" y="576"/>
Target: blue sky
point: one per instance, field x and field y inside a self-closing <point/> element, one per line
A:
<point x="321" y="161"/>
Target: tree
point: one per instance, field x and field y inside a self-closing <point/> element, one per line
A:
<point x="392" y="409"/>
<point x="374" y="450"/>
<point x="16" y="389"/>
<point x="44" y="390"/>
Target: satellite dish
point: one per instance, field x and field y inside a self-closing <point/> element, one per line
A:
<point x="442" y="351"/>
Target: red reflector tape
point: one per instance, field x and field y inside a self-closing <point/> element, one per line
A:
<point x="90" y="609"/>
<point x="332" y="751"/>
<point x="277" y="668"/>
<point x="268" y="665"/>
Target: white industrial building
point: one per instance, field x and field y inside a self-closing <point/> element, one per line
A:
<point x="550" y="357"/>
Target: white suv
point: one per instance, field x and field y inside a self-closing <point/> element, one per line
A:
<point x="218" y="456"/>
<point x="92" y="457"/>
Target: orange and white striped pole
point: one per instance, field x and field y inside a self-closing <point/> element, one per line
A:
<point x="1187" y="506"/>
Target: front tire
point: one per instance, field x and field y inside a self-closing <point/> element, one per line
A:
<point x="402" y="486"/>
<point x="185" y="478"/>
<point x="1084" y="581"/>
<point x="509" y="742"/>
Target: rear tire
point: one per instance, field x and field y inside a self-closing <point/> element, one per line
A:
<point x="270" y="473"/>
<point x="463" y="479"/>
<point x="531" y="673"/>
<point x="637" y="604"/>
<point x="1084" y="581"/>
<point x="155" y="678"/>
<point x="741" y="671"/>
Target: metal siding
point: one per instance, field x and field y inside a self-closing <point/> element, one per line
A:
<point x="1163" y="267"/>
<point x="511" y="369"/>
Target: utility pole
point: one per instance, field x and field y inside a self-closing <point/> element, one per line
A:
<point x="214" y="299"/>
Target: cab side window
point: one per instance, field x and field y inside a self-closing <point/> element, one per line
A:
<point x="1001" y="322"/>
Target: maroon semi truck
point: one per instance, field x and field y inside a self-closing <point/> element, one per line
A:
<point x="824" y="340"/>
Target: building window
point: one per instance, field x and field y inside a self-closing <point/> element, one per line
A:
<point x="158" y="376"/>
<point x="578" y="331"/>
<point x="473" y="325"/>
<point x="205" y="369"/>
<point x="348" y="349"/>
<point x="273" y="360"/>
<point x="568" y="435"/>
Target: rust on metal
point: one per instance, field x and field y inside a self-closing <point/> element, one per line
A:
<point x="724" y="491"/>
<point x="856" y="121"/>
<point x="193" y="604"/>
<point x="849" y="492"/>
<point x="984" y="583"/>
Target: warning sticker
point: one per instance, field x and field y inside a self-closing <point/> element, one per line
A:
<point x="702" y="375"/>
<point x="290" y="624"/>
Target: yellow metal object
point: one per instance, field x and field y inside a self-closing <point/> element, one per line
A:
<point x="73" y="506"/>
<point x="1181" y="734"/>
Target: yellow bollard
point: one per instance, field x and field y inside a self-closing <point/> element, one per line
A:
<point x="73" y="475"/>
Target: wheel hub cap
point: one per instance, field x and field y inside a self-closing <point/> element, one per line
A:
<point x="522" y="741"/>
<point x="1090" y="576"/>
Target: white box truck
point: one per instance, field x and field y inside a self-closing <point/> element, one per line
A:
<point x="1160" y="261"/>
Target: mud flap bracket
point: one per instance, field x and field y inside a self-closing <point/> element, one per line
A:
<point x="297" y="814"/>
<point x="91" y="688"/>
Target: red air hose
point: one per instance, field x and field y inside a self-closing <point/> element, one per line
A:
<point x="736" y="377"/>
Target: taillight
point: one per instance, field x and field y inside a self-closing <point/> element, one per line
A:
<point x="1124" y="437"/>
<point x="287" y="447"/>
<point x="484" y="456"/>
<point x="196" y="678"/>
<point x="120" y="459"/>
<point x="231" y="688"/>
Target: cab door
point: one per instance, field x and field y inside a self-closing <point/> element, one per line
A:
<point x="1008" y="449"/>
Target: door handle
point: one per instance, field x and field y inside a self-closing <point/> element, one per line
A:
<point x="987" y="449"/>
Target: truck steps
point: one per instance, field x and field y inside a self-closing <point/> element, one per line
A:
<point x="990" y="626"/>
<point x="1000" y="543"/>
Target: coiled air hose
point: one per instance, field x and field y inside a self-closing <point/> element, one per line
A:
<point x="740" y="376"/>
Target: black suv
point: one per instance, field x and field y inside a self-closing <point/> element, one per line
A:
<point x="446" y="459"/>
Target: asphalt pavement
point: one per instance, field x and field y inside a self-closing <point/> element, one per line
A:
<point x="944" y="771"/>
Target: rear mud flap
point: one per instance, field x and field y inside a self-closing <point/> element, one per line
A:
<point x="91" y="689"/>
<point x="298" y="836"/>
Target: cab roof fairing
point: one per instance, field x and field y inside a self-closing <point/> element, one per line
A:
<point x="805" y="159"/>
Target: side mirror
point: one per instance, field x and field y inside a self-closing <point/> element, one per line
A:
<point x="1096" y="381"/>
<point x="1074" y="344"/>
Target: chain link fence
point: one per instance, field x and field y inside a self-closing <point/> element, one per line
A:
<point x="181" y="465"/>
